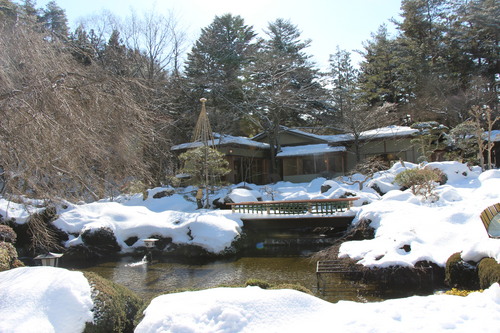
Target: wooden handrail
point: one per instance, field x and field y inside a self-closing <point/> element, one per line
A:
<point x="291" y="201"/>
<point x="294" y="207"/>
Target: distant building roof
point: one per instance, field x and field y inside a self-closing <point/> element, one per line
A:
<point x="223" y="140"/>
<point x="392" y="131"/>
<point x="378" y="133"/>
<point x="304" y="150"/>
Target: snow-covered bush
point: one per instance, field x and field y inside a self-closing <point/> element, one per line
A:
<point x="421" y="181"/>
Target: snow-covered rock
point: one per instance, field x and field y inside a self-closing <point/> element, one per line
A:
<point x="44" y="299"/>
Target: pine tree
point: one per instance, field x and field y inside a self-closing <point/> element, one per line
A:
<point x="381" y="72"/>
<point x="344" y="81"/>
<point x="54" y="19"/>
<point x="215" y="69"/>
<point x="284" y="88"/>
<point x="114" y="56"/>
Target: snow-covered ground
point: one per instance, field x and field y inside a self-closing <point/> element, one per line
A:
<point x="46" y="299"/>
<point x="432" y="230"/>
<point x="253" y="309"/>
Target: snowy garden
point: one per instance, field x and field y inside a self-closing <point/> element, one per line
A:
<point x="408" y="229"/>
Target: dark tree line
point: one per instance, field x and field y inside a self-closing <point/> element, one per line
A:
<point x="85" y="112"/>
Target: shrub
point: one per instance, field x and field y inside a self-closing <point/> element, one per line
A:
<point x="7" y="234"/>
<point x="115" y="307"/>
<point x="8" y="257"/>
<point x="420" y="181"/>
<point x="461" y="274"/>
<point x="259" y="283"/>
<point x="293" y="286"/>
<point x="489" y="272"/>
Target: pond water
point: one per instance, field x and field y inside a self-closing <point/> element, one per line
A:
<point x="149" y="279"/>
<point x="277" y="258"/>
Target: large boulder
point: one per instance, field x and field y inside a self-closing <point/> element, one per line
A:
<point x="101" y="239"/>
<point x="461" y="274"/>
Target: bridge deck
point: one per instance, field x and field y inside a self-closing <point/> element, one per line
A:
<point x="296" y="222"/>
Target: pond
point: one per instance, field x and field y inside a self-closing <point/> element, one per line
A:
<point x="277" y="258"/>
<point x="149" y="279"/>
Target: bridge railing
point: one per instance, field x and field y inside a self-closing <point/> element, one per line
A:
<point x="294" y="207"/>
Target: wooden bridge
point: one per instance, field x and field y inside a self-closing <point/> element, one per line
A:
<point x="295" y="214"/>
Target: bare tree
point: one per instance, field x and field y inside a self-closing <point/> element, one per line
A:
<point x="358" y="119"/>
<point x="67" y="130"/>
<point x="158" y="38"/>
<point x="479" y="116"/>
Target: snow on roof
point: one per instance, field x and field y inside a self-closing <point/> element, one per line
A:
<point x="377" y="133"/>
<point x="311" y="135"/>
<point x="321" y="148"/>
<point x="221" y="140"/>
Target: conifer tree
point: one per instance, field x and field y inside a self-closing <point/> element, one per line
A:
<point x="215" y="69"/>
<point x="284" y="88"/>
<point x="54" y="19"/>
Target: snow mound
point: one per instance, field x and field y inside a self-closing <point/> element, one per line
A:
<point x="432" y="231"/>
<point x="456" y="172"/>
<point x="44" y="299"/>
<point x="252" y="309"/>
<point x="243" y="195"/>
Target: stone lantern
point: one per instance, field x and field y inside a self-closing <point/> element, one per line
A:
<point x="49" y="259"/>
<point x="150" y="242"/>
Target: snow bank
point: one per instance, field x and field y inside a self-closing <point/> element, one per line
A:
<point x="433" y="231"/>
<point x="44" y="299"/>
<point x="16" y="211"/>
<point x="252" y="309"/>
<point x="212" y="230"/>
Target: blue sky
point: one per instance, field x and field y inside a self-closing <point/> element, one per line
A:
<point x="328" y="23"/>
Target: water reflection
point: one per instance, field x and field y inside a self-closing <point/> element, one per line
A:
<point x="150" y="279"/>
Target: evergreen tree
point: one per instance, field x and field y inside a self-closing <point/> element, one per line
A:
<point x="54" y="20"/>
<point x="114" y="55"/>
<point x="29" y="9"/>
<point x="344" y="80"/>
<point x="381" y="72"/>
<point x="82" y="49"/>
<point x="284" y="88"/>
<point x="215" y="69"/>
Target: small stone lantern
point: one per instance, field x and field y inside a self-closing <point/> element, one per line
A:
<point x="150" y="242"/>
<point x="49" y="259"/>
